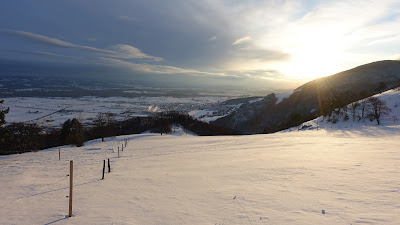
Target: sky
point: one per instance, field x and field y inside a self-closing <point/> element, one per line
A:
<point x="260" y="44"/>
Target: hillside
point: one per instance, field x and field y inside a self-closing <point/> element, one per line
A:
<point x="305" y="101"/>
<point x="352" y="117"/>
<point x="281" y="178"/>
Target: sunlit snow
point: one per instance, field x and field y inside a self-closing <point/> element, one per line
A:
<point x="282" y="178"/>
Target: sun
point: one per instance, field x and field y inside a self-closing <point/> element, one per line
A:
<point x="311" y="64"/>
<point x="313" y="57"/>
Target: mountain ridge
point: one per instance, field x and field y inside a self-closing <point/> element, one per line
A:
<point x="309" y="100"/>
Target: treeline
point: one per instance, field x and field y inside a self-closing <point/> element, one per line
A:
<point x="371" y="108"/>
<point x="20" y="137"/>
<point x="158" y="123"/>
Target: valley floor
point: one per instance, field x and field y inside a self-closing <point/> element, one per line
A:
<point x="282" y="178"/>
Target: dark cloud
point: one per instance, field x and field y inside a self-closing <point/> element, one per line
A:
<point x="161" y="39"/>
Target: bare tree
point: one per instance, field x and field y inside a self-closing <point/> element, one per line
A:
<point x="394" y="117"/>
<point x="354" y="107"/>
<point x="110" y="118"/>
<point x="363" y="105"/>
<point x="100" y="119"/>
<point x="105" y="125"/>
<point x="378" y="108"/>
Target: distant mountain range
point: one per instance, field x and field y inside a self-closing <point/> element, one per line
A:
<point x="313" y="99"/>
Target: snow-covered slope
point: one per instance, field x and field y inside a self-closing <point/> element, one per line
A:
<point x="355" y="120"/>
<point x="282" y="178"/>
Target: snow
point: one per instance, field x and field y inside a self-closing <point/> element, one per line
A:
<point x="178" y="130"/>
<point x="207" y="115"/>
<point x="211" y="118"/>
<point x="255" y="100"/>
<point x="392" y="100"/>
<point x="342" y="173"/>
<point x="281" y="97"/>
<point x="200" y="113"/>
<point x="52" y="112"/>
<point x="281" y="178"/>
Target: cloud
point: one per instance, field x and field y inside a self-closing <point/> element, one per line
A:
<point x="42" y="53"/>
<point x="41" y="39"/>
<point x="110" y="56"/>
<point x="241" y="40"/>
<point x="129" y="52"/>
<point x="252" y="58"/>
<point x="328" y="36"/>
<point x="262" y="55"/>
<point x="383" y="32"/>
<point x="158" y="69"/>
<point x="117" y="51"/>
<point x="383" y="40"/>
<point x="265" y="74"/>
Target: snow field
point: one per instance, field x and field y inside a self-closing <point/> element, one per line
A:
<point x="52" y="112"/>
<point x="283" y="178"/>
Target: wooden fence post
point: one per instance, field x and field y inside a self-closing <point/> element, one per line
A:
<point x="104" y="168"/>
<point x="71" y="184"/>
<point x="122" y="147"/>
<point x="109" y="168"/>
<point x="59" y="155"/>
